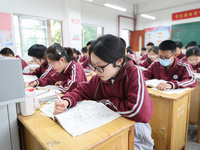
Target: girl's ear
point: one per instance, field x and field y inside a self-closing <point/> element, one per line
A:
<point x="119" y="62"/>
<point x="62" y="60"/>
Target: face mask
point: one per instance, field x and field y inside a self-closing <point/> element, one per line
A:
<point x="165" y="62"/>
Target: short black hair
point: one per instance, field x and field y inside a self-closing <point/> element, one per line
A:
<point x="179" y="44"/>
<point x="192" y="43"/>
<point x="89" y="43"/>
<point x="109" y="48"/>
<point x="143" y="49"/>
<point x="84" y="50"/>
<point x="150" y="44"/>
<point x="129" y="49"/>
<point x="7" y="51"/>
<point x="37" y="50"/>
<point x="195" y="50"/>
<point x="168" y="45"/>
<point x="56" y="51"/>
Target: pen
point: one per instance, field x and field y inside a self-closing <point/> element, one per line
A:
<point x="60" y="98"/>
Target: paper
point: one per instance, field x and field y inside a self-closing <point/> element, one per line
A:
<point x="197" y="75"/>
<point x="84" y="117"/>
<point x="154" y="82"/>
<point x="173" y="91"/>
<point x="28" y="78"/>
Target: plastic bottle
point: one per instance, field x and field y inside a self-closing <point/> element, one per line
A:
<point x="28" y="106"/>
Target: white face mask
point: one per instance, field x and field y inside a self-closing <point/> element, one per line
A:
<point x="165" y="62"/>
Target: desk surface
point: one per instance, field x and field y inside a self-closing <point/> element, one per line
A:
<point x="168" y="96"/>
<point x="51" y="135"/>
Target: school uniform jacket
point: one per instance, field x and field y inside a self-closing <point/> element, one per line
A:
<point x="180" y="56"/>
<point x="146" y="63"/>
<point x="132" y="56"/>
<point x="127" y="94"/>
<point x="24" y="64"/>
<point x="83" y="59"/>
<point x="144" y="57"/>
<point x="78" y="58"/>
<point x="44" y="71"/>
<point x="72" y="75"/>
<point x="179" y="76"/>
<point x="196" y="68"/>
<point x="86" y="62"/>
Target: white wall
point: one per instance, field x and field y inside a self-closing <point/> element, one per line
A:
<point x="163" y="10"/>
<point x="104" y="17"/>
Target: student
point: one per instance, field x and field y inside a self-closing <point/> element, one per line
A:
<point x="87" y="60"/>
<point x="144" y="56"/>
<point x="193" y="57"/>
<point x="191" y="44"/>
<point x="143" y="51"/>
<point x="37" y="52"/>
<point x="69" y="73"/>
<point x="85" y="54"/>
<point x="77" y="55"/>
<point x="178" y="74"/>
<point x="179" y="46"/>
<point x="131" y="54"/>
<point x="7" y="52"/>
<point x="152" y="56"/>
<point x="119" y="85"/>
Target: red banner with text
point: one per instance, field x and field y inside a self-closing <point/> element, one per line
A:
<point x="186" y="14"/>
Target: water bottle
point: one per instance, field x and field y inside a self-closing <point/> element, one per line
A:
<point x="28" y="106"/>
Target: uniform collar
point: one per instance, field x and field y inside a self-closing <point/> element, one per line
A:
<point x="69" y="66"/>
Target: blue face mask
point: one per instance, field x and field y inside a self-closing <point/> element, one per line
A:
<point x="165" y="62"/>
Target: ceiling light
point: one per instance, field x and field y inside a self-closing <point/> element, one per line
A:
<point x="115" y="7"/>
<point x="148" y="16"/>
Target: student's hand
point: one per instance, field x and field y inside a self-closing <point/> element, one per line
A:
<point x="31" y="84"/>
<point x="164" y="86"/>
<point x="60" y="107"/>
<point x="58" y="83"/>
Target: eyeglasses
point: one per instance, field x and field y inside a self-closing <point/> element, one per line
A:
<point x="98" y="68"/>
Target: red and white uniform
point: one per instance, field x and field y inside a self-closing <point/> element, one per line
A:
<point x="78" y="58"/>
<point x="44" y="71"/>
<point x="24" y="64"/>
<point x="72" y="75"/>
<point x="180" y="56"/>
<point x="132" y="56"/>
<point x="127" y="94"/>
<point x="179" y="76"/>
<point x="146" y="63"/>
<point x="83" y="58"/>
<point x="144" y="57"/>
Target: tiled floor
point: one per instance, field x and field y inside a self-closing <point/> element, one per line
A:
<point x="191" y="141"/>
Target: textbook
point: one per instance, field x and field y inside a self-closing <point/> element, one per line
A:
<point x="154" y="82"/>
<point x="84" y="117"/>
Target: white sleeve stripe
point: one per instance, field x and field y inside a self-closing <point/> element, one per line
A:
<point x="190" y="74"/>
<point x="64" y="89"/>
<point x="173" y="86"/>
<point x="140" y="96"/>
<point x="70" y="103"/>
<point x="46" y="72"/>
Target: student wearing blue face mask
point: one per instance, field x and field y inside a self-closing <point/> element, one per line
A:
<point x="178" y="73"/>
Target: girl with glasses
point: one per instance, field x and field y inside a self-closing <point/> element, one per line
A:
<point x="118" y="84"/>
<point x="69" y="73"/>
<point x="152" y="56"/>
<point x="193" y="57"/>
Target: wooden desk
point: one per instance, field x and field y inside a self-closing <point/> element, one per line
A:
<point x="170" y="119"/>
<point x="195" y="109"/>
<point x="39" y="132"/>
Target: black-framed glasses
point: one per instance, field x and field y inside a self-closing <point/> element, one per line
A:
<point x="98" y="68"/>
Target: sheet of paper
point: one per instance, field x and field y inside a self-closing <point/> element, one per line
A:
<point x="85" y="116"/>
<point x="173" y="91"/>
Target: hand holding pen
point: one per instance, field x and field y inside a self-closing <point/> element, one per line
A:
<point x="32" y="84"/>
<point x="60" y="105"/>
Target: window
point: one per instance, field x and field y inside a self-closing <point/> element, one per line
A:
<point x="90" y="33"/>
<point x="30" y="31"/>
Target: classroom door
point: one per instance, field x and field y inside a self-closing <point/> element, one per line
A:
<point x="137" y="39"/>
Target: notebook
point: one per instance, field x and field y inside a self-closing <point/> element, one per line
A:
<point x="154" y="82"/>
<point x="84" y="117"/>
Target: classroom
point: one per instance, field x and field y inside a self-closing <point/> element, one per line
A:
<point x="100" y="74"/>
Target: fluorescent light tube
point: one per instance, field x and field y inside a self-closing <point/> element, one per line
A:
<point x="148" y="16"/>
<point x="115" y="7"/>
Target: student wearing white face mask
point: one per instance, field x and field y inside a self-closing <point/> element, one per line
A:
<point x="178" y="73"/>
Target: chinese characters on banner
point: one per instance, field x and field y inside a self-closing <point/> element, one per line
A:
<point x="75" y="29"/>
<point x="6" y="37"/>
<point x="186" y="14"/>
<point x="157" y="34"/>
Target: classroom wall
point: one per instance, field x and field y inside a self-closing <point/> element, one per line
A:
<point x="163" y="10"/>
<point x="104" y="17"/>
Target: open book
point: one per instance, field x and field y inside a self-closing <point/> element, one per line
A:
<point x="84" y="117"/>
<point x="154" y="82"/>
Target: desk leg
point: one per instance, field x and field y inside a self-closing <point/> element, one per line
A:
<point x="131" y="139"/>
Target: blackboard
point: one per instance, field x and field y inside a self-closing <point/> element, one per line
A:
<point x="186" y="32"/>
